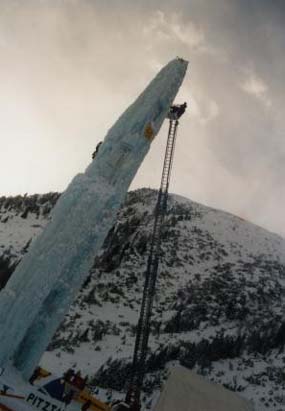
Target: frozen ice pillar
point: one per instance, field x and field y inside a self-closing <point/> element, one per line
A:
<point x="40" y="291"/>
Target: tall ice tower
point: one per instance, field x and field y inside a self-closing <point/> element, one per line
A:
<point x="45" y="283"/>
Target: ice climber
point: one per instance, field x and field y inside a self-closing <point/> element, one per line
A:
<point x="176" y="111"/>
<point x="35" y="375"/>
<point x="96" y="150"/>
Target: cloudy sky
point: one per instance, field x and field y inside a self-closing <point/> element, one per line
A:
<point x="69" y="68"/>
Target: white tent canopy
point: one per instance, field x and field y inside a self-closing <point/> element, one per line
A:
<point x="187" y="391"/>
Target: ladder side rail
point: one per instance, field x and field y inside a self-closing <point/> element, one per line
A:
<point x="144" y="323"/>
<point x="138" y="342"/>
<point x="168" y="153"/>
<point x="172" y="152"/>
<point x="146" y="334"/>
<point x="140" y="328"/>
<point x="160" y="213"/>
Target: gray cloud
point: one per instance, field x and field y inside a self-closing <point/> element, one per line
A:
<point x="69" y="68"/>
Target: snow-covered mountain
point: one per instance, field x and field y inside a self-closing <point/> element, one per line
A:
<point x="219" y="307"/>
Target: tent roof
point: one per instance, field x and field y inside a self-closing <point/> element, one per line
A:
<point x="187" y="391"/>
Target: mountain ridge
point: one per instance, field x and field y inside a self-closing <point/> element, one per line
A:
<point x="219" y="307"/>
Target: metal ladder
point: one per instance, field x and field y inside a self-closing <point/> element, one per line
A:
<point x="143" y="328"/>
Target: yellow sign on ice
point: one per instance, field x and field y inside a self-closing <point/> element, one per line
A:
<point x="148" y="132"/>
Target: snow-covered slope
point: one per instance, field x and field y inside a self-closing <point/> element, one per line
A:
<point x="22" y="218"/>
<point x="219" y="308"/>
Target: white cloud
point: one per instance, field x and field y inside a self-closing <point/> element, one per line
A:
<point x="256" y="87"/>
<point x="164" y="27"/>
<point x="203" y="111"/>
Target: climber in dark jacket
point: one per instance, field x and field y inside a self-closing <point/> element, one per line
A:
<point x="181" y="109"/>
<point x="176" y="111"/>
<point x="96" y="150"/>
<point x="35" y="375"/>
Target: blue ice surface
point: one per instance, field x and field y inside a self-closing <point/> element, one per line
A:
<point x="45" y="283"/>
